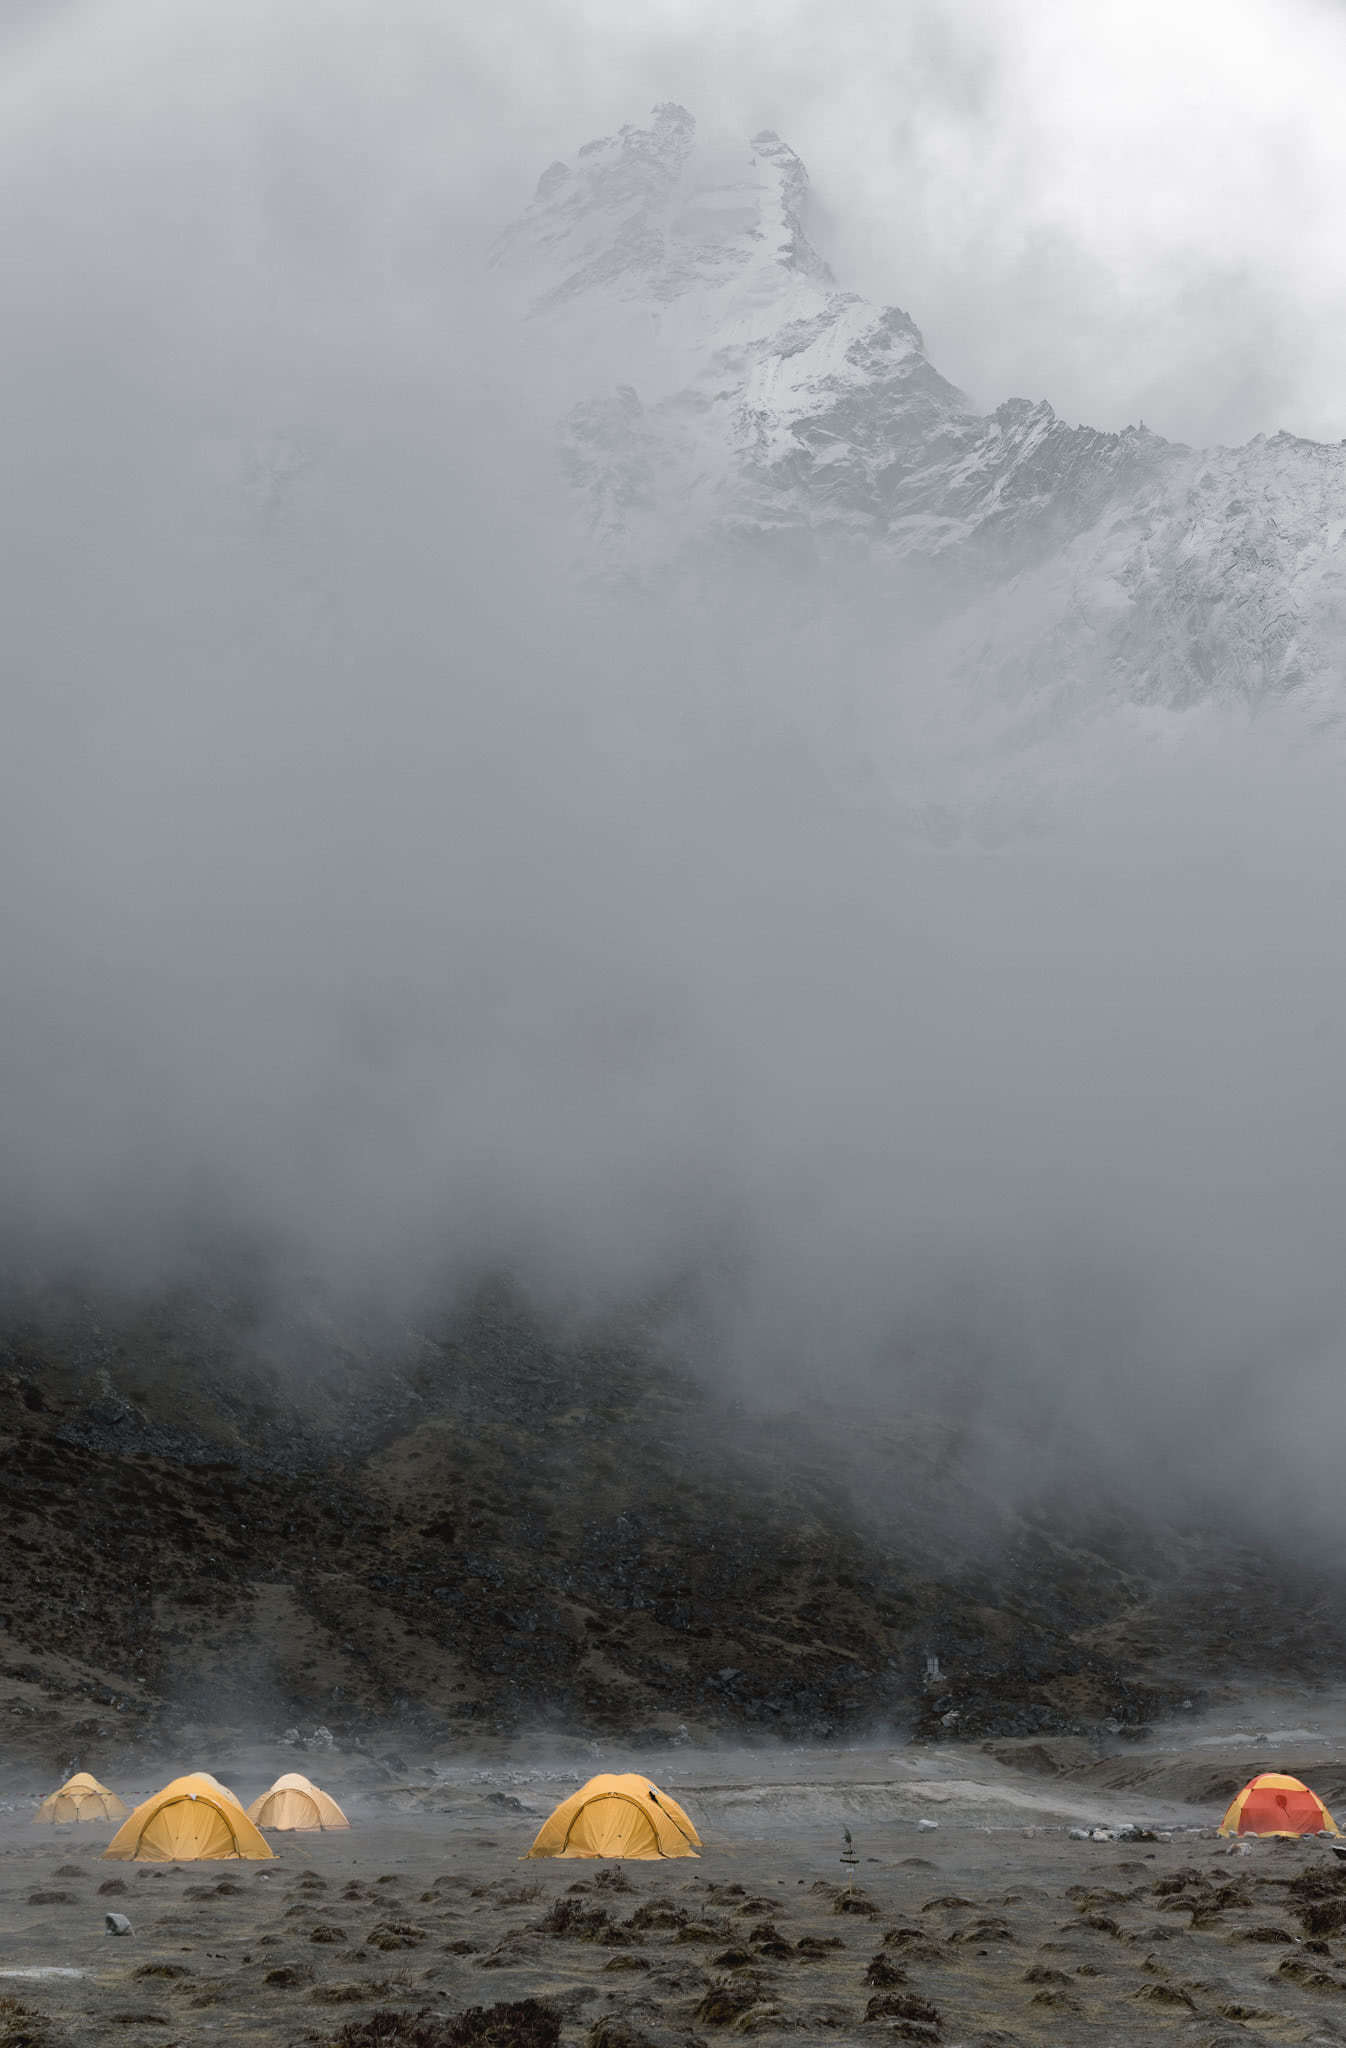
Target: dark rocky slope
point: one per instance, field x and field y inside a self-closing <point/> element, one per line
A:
<point x="500" y="1530"/>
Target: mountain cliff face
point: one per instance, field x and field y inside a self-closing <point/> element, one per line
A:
<point x="719" y="390"/>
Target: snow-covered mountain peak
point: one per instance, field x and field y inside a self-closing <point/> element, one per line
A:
<point x="660" y="246"/>
<point x="663" y="212"/>
<point x="713" y="385"/>
<point x="695" y="341"/>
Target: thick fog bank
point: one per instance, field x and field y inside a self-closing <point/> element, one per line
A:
<point x="375" y="890"/>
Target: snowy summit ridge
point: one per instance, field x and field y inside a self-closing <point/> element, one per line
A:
<point x="718" y="387"/>
<point x="701" y="243"/>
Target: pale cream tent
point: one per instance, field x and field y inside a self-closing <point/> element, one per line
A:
<point x="617" y="1816"/>
<point x="191" y="1819"/>
<point x="223" y="1790"/>
<point x="80" y="1798"/>
<point x="296" y="1802"/>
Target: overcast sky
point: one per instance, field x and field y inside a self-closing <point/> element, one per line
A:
<point x="366" y="886"/>
<point x="1134" y="211"/>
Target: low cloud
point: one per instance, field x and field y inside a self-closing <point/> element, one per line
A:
<point x="372" y="891"/>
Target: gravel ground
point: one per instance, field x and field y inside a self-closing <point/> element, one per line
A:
<point x="992" y="1925"/>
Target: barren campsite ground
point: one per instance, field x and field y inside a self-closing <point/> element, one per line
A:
<point x="993" y="1926"/>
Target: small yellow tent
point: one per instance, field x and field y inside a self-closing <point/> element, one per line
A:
<point x="80" y="1798"/>
<point x="295" y="1802"/>
<point x="617" y="1816"/>
<point x="1273" y="1804"/>
<point x="192" y="1818"/>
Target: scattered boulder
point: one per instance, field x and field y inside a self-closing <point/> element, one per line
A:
<point x="526" y="2023"/>
<point x="1311" y="1975"/>
<point x="22" y="2027"/>
<point x="905" y="2016"/>
<point x="1171" y="1995"/>
<point x="393" y="1934"/>
<point x="983" y="1930"/>
<point x="572" y="1920"/>
<point x="657" y="1914"/>
<point x="726" y="2002"/>
<point x="614" y="2033"/>
<point x="347" y="1994"/>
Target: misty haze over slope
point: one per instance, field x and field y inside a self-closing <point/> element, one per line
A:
<point x="912" y="942"/>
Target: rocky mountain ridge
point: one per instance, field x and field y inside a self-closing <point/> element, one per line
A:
<point x="717" y="392"/>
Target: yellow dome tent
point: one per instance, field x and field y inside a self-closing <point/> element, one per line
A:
<point x="294" y="1801"/>
<point x="617" y="1816"/>
<point x="1272" y="1804"/>
<point x="192" y="1818"/>
<point x="80" y="1798"/>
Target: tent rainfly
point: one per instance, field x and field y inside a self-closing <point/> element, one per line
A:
<point x="192" y="1818"/>
<point x="295" y="1802"/>
<point x="80" y="1798"/>
<point x="1271" y="1804"/>
<point x="623" y="1816"/>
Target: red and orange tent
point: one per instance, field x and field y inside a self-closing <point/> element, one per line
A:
<point x="1272" y="1804"/>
